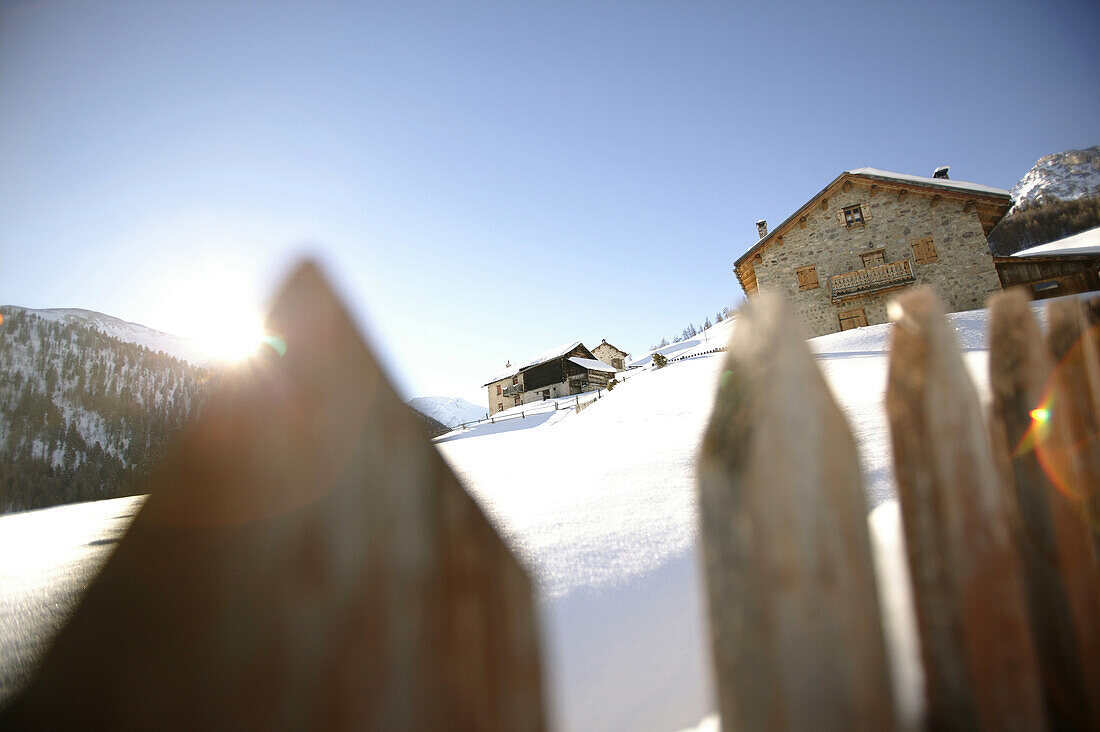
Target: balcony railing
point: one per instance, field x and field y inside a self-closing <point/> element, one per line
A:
<point x="871" y="279"/>
<point x="512" y="390"/>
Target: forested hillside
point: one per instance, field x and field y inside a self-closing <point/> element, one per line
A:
<point x="83" y="415"/>
<point x="1043" y="222"/>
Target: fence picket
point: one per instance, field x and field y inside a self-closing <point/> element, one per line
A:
<point x="979" y="661"/>
<point x="306" y="559"/>
<point x="796" y="632"/>
<point x="1075" y="461"/>
<point x="1059" y="565"/>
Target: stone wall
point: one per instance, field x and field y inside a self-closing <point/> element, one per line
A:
<point x="496" y="400"/>
<point x="963" y="274"/>
<point x="608" y="353"/>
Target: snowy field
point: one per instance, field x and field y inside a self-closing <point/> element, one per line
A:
<point x="601" y="506"/>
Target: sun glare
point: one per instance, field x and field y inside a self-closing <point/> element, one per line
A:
<point x="235" y="339"/>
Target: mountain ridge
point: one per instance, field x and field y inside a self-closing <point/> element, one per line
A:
<point x="126" y="331"/>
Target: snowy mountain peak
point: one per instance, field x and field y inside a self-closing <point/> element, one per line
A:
<point x="184" y="349"/>
<point x="451" y="411"/>
<point x="1063" y="176"/>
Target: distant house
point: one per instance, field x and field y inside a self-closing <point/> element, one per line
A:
<point x="610" y="355"/>
<point x="570" y="369"/>
<point x="1062" y="267"/>
<point x="870" y="233"/>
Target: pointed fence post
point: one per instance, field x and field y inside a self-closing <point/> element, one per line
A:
<point x="1074" y="460"/>
<point x="306" y="559"/>
<point x="795" y="619"/>
<point x="979" y="660"/>
<point x="1060" y="570"/>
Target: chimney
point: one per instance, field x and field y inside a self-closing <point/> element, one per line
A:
<point x="941" y="172"/>
<point x="762" y="228"/>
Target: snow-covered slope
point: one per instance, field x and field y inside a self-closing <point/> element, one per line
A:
<point x="182" y="348"/>
<point x="1063" y="176"/>
<point x="85" y="405"/>
<point x="451" y="411"/>
<point x="601" y="504"/>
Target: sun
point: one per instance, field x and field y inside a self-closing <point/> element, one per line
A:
<point x="233" y="338"/>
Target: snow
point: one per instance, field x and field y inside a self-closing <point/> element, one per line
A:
<point x="941" y="182"/>
<point x="717" y="336"/>
<point x="451" y="411"/>
<point x="184" y="349"/>
<point x="1063" y="176"/>
<point x="1086" y="242"/>
<point x="592" y="364"/>
<point x="541" y="358"/>
<point x="600" y="505"/>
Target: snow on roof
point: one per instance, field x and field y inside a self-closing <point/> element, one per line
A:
<point x="541" y="358"/>
<point x="938" y="182"/>
<point x="592" y="364"/>
<point x="548" y="355"/>
<point x="1087" y="242"/>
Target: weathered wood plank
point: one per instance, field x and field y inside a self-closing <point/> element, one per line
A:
<point x="1074" y="461"/>
<point x="979" y="661"/>
<point x="306" y="559"/>
<point x="1059" y="565"/>
<point x="797" y="635"/>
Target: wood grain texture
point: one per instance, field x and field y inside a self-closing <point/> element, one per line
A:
<point x="1059" y="565"/>
<point x="797" y="635"/>
<point x="979" y="660"/>
<point x="306" y="559"/>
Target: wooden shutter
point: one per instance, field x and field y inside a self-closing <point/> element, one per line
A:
<point x="866" y="211"/>
<point x="924" y="251"/>
<point x="807" y="277"/>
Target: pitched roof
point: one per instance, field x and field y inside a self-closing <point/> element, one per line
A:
<point x="541" y="358"/>
<point x="592" y="364"/>
<point x="1082" y="244"/>
<point x="605" y="343"/>
<point x="955" y="188"/>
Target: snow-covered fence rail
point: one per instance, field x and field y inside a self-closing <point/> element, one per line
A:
<point x="720" y="349"/>
<point x="1000" y="517"/>
<point x="577" y="401"/>
<point x="305" y="560"/>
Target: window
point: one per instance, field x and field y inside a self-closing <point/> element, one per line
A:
<point x="498" y="389"/>
<point x="807" y="277"/>
<point x="617" y="363"/>
<point x="870" y="259"/>
<point x="853" y="216"/>
<point x="852" y="319"/>
<point x="924" y="251"/>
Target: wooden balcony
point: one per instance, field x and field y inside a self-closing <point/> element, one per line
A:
<point x="875" y="279"/>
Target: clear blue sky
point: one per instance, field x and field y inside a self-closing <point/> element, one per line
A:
<point x="487" y="180"/>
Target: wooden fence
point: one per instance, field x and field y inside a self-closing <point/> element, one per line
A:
<point x="999" y="517"/>
<point x="307" y="559"/>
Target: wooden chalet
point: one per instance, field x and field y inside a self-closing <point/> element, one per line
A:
<point x="563" y="371"/>
<point x="1064" y="267"/>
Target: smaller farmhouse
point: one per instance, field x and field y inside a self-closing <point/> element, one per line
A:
<point x="1062" y="267"/>
<point x="869" y="233"/>
<point x="563" y="371"/>
<point x="611" y="355"/>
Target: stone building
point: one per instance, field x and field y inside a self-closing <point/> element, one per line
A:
<point x="870" y="233"/>
<point x="559" y="372"/>
<point x="611" y="355"/>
